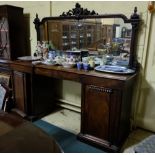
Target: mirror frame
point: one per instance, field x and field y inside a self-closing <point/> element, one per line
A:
<point x="79" y="13"/>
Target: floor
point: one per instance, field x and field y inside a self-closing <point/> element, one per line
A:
<point x="134" y="138"/>
<point x="65" y="119"/>
<point x="70" y="120"/>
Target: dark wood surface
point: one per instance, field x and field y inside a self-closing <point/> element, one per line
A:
<point x="19" y="90"/>
<point x="48" y="70"/>
<point x="105" y="102"/>
<point x="11" y="119"/>
<point x="28" y="138"/>
<point x="5" y="67"/>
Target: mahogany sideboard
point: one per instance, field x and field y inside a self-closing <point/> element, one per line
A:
<point x="105" y="101"/>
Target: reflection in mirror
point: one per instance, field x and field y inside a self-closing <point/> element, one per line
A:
<point x="107" y="39"/>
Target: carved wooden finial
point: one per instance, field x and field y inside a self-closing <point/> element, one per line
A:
<point x="135" y="15"/>
<point x="36" y="20"/>
<point x="77" y="5"/>
<point x="135" y="10"/>
<point x="37" y="25"/>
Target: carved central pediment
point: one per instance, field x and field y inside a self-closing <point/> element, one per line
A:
<point x="78" y="11"/>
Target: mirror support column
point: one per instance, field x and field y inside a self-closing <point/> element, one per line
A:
<point x="133" y="63"/>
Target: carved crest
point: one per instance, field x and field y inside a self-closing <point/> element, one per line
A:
<point x="78" y="11"/>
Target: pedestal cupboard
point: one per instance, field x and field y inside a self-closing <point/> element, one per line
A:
<point x="105" y="113"/>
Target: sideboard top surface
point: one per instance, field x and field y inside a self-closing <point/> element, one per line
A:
<point x="41" y="69"/>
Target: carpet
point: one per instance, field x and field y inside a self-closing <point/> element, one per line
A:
<point x="67" y="140"/>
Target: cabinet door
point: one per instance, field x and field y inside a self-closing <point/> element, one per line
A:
<point x="20" y="90"/>
<point x="100" y="115"/>
<point x="96" y="113"/>
<point x="4" y="39"/>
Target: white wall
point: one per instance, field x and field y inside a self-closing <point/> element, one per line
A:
<point x="146" y="108"/>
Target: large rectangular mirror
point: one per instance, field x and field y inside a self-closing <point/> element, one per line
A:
<point x="97" y="36"/>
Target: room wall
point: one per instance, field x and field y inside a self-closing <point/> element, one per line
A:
<point x="143" y="107"/>
<point x="145" y="116"/>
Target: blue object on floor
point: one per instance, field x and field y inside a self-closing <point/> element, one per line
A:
<point x="67" y="140"/>
<point x="146" y="146"/>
